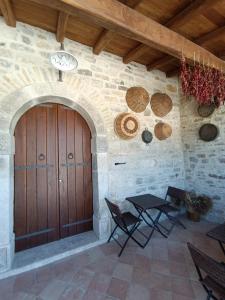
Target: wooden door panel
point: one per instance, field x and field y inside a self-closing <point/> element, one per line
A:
<point x="53" y="175"/>
<point x="71" y="176"/>
<point x="63" y="196"/>
<point x="33" y="201"/>
<point x="20" y="222"/>
<point x="74" y="136"/>
<point x="88" y="203"/>
<point x="79" y="172"/>
<point x="31" y="175"/>
<point x="41" y="173"/>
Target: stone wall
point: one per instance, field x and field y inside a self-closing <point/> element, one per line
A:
<point x="148" y="168"/>
<point x="97" y="90"/>
<point x="204" y="161"/>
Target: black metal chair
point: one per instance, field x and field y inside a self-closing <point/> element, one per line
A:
<point x="218" y="234"/>
<point x="211" y="274"/>
<point x="126" y="221"/>
<point x="177" y="196"/>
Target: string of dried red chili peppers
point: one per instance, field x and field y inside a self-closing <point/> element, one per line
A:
<point x="206" y="84"/>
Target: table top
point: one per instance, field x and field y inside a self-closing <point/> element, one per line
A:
<point x="146" y="201"/>
<point x="218" y="233"/>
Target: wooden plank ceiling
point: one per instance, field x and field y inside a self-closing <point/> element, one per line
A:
<point x="201" y="21"/>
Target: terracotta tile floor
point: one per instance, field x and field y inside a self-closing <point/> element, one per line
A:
<point x="161" y="271"/>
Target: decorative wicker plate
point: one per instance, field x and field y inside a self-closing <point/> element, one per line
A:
<point x="146" y="136"/>
<point x="137" y="99"/>
<point x="206" y="110"/>
<point x="208" y="132"/>
<point x="162" y="131"/>
<point x="161" y="104"/>
<point x="126" y="126"/>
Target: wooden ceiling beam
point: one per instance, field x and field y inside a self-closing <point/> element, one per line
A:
<point x="121" y="19"/>
<point x="135" y="53"/>
<point x="61" y="26"/>
<point x="106" y="35"/>
<point x="160" y="62"/>
<point x="175" y="70"/>
<point x="179" y="19"/>
<point x="196" y="8"/>
<point x="7" y="12"/>
<point x="165" y="60"/>
<point x="133" y="3"/>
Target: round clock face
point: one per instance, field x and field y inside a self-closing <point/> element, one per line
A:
<point x="63" y="61"/>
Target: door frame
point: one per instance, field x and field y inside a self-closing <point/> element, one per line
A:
<point x="79" y="101"/>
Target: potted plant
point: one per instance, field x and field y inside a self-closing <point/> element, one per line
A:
<point x="197" y="206"/>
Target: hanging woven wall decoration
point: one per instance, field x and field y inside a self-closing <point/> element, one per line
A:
<point x="208" y="132"/>
<point x="137" y="99"/>
<point x="162" y="131"/>
<point x="126" y="126"/>
<point x="161" y="104"/>
<point x="206" y="110"/>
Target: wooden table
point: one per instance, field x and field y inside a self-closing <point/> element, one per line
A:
<point x="143" y="204"/>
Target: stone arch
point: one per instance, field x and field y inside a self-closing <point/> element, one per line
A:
<point x="75" y="93"/>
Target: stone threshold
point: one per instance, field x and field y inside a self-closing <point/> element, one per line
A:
<point x="40" y="256"/>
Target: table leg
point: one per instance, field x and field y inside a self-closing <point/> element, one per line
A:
<point x="155" y="222"/>
<point x="153" y="226"/>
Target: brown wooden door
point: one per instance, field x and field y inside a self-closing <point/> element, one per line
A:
<point x="53" y="183"/>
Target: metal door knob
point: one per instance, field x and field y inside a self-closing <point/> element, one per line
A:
<point x="60" y="180"/>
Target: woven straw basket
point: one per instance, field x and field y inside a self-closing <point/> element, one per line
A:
<point x="137" y="99"/>
<point x="162" y="131"/>
<point x="126" y="126"/>
<point x="161" y="104"/>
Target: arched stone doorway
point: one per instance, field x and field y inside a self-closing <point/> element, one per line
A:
<point x="14" y="106"/>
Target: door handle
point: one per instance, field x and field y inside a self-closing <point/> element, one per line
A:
<point x="60" y="180"/>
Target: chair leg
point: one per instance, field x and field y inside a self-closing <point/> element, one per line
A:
<point x="130" y="233"/>
<point x="124" y="245"/>
<point x="111" y="235"/>
<point x="210" y="295"/>
<point x="222" y="247"/>
<point x="181" y="224"/>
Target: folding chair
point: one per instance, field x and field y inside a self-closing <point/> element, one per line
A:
<point x="218" y="234"/>
<point x="213" y="280"/>
<point x="177" y="195"/>
<point x="126" y="221"/>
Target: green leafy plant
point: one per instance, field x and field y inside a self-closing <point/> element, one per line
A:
<point x="200" y="204"/>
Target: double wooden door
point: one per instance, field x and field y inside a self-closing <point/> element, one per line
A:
<point x="53" y="175"/>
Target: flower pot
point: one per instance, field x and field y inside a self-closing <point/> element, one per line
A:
<point x="193" y="216"/>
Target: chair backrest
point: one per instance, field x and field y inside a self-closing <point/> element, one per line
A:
<point x="207" y="264"/>
<point x="116" y="213"/>
<point x="113" y="208"/>
<point x="176" y="194"/>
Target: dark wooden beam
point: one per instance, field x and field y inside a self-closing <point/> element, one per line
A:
<point x="210" y="35"/>
<point x="184" y="16"/>
<point x="135" y="53"/>
<point x="105" y="37"/>
<point x="61" y="26"/>
<point x="160" y="62"/>
<point x="7" y="12"/>
<point x="133" y="3"/>
<point x="165" y="60"/>
<point x="121" y="19"/>
<point x="196" y="8"/>
<point x="175" y="71"/>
